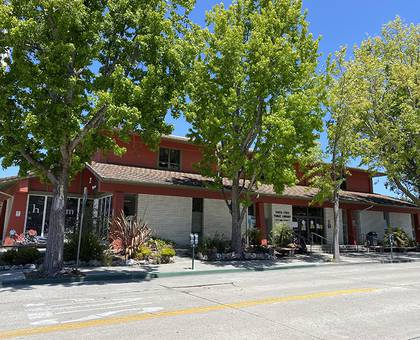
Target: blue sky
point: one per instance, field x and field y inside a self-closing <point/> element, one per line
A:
<point x="339" y="22"/>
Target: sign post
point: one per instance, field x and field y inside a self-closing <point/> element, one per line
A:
<point x="81" y="225"/>
<point x="194" y="243"/>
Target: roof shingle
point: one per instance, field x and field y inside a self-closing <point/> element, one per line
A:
<point x="137" y="175"/>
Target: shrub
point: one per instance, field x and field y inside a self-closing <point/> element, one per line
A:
<point x="281" y="235"/>
<point x="215" y="244"/>
<point x="143" y="253"/>
<point x="130" y="233"/>
<point x="107" y="256"/>
<point x="9" y="257"/>
<point x="167" y="252"/>
<point x="254" y="236"/>
<point x="90" y="247"/>
<point x="21" y="256"/>
<point x="401" y="239"/>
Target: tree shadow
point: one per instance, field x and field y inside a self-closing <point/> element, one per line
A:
<point x="266" y="264"/>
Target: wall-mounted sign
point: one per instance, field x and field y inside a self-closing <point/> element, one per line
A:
<point x="281" y="213"/>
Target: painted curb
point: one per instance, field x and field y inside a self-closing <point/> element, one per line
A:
<point x="143" y="275"/>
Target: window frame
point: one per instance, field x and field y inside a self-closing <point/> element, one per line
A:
<point x="44" y="210"/>
<point x="169" y="159"/>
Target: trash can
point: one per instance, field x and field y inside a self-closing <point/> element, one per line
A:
<point x="372" y="239"/>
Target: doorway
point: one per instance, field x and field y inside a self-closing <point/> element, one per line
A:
<point x="308" y="223"/>
<point x="197" y="217"/>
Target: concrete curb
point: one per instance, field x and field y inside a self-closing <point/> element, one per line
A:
<point x="143" y="275"/>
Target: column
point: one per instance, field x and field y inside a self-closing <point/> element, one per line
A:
<point x="117" y="203"/>
<point x="350" y="227"/>
<point x="260" y="221"/>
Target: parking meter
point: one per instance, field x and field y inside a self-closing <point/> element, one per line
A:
<point x="194" y="243"/>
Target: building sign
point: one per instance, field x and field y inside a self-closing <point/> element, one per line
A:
<point x="281" y="213"/>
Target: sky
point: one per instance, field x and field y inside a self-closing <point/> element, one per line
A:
<point x="338" y="22"/>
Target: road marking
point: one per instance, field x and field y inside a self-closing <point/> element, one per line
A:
<point x="165" y="314"/>
<point x="99" y="308"/>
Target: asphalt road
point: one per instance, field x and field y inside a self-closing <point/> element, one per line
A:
<point x="344" y="302"/>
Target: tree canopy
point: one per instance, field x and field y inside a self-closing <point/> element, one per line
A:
<point x="70" y="67"/>
<point x="385" y="85"/>
<point x="254" y="97"/>
<point x="74" y="73"/>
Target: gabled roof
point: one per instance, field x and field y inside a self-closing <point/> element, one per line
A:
<point x="6" y="182"/>
<point x="137" y="175"/>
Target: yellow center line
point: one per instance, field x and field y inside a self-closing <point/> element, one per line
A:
<point x="187" y="311"/>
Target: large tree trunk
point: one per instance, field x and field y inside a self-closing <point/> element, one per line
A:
<point x="236" y="219"/>
<point x="55" y="243"/>
<point x="336" y="227"/>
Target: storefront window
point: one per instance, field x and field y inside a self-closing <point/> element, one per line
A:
<point x="39" y="210"/>
<point x="71" y="214"/>
<point x="35" y="214"/>
<point x="47" y="215"/>
<point x="104" y="215"/>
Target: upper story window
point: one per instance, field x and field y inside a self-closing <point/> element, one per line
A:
<point x="169" y="159"/>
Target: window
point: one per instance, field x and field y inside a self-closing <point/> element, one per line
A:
<point x="130" y="203"/>
<point x="104" y="212"/>
<point x="343" y="185"/>
<point x="169" y="159"/>
<point x="35" y="214"/>
<point x="38" y="214"/>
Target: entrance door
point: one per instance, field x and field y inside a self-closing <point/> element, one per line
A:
<point x="309" y="224"/>
<point x="302" y="228"/>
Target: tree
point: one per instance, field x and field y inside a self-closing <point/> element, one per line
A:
<point x="254" y="99"/>
<point x="385" y="77"/>
<point x="77" y="72"/>
<point x="327" y="170"/>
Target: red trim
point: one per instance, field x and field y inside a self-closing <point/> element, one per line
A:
<point x="19" y="204"/>
<point x="2" y="217"/>
<point x="350" y="228"/>
<point x="260" y="219"/>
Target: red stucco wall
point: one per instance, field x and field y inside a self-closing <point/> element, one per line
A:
<point x="359" y="181"/>
<point x="138" y="154"/>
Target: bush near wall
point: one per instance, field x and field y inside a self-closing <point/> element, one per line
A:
<point x="156" y="251"/>
<point x="401" y="239"/>
<point x="21" y="256"/>
<point x="281" y="235"/>
<point x="90" y="247"/>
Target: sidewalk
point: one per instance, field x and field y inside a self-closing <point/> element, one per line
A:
<point x="182" y="267"/>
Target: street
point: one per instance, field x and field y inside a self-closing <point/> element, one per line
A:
<point x="377" y="301"/>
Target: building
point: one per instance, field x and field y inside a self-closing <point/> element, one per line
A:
<point x="163" y="189"/>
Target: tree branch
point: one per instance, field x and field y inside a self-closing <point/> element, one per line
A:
<point x="35" y="163"/>
<point x="93" y="123"/>
<point x="406" y="192"/>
